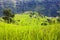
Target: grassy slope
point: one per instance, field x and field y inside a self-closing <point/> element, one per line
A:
<point x="29" y="29"/>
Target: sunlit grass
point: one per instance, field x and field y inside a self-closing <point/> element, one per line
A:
<point x="29" y="28"/>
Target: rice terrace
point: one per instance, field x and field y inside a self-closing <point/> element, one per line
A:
<point x="28" y="24"/>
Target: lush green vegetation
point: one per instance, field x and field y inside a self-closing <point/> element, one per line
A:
<point x="27" y="27"/>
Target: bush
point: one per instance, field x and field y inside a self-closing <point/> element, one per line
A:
<point x="58" y="20"/>
<point x="8" y="20"/>
<point x="49" y="21"/>
<point x="44" y="23"/>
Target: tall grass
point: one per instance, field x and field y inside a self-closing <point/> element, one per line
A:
<point x="29" y="29"/>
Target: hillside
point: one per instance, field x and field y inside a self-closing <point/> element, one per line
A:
<point x="28" y="27"/>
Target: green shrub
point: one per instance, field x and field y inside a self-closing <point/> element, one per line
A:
<point x="58" y="20"/>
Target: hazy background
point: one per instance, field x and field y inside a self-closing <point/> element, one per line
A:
<point x="45" y="7"/>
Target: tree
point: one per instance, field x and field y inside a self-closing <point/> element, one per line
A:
<point x="8" y="15"/>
